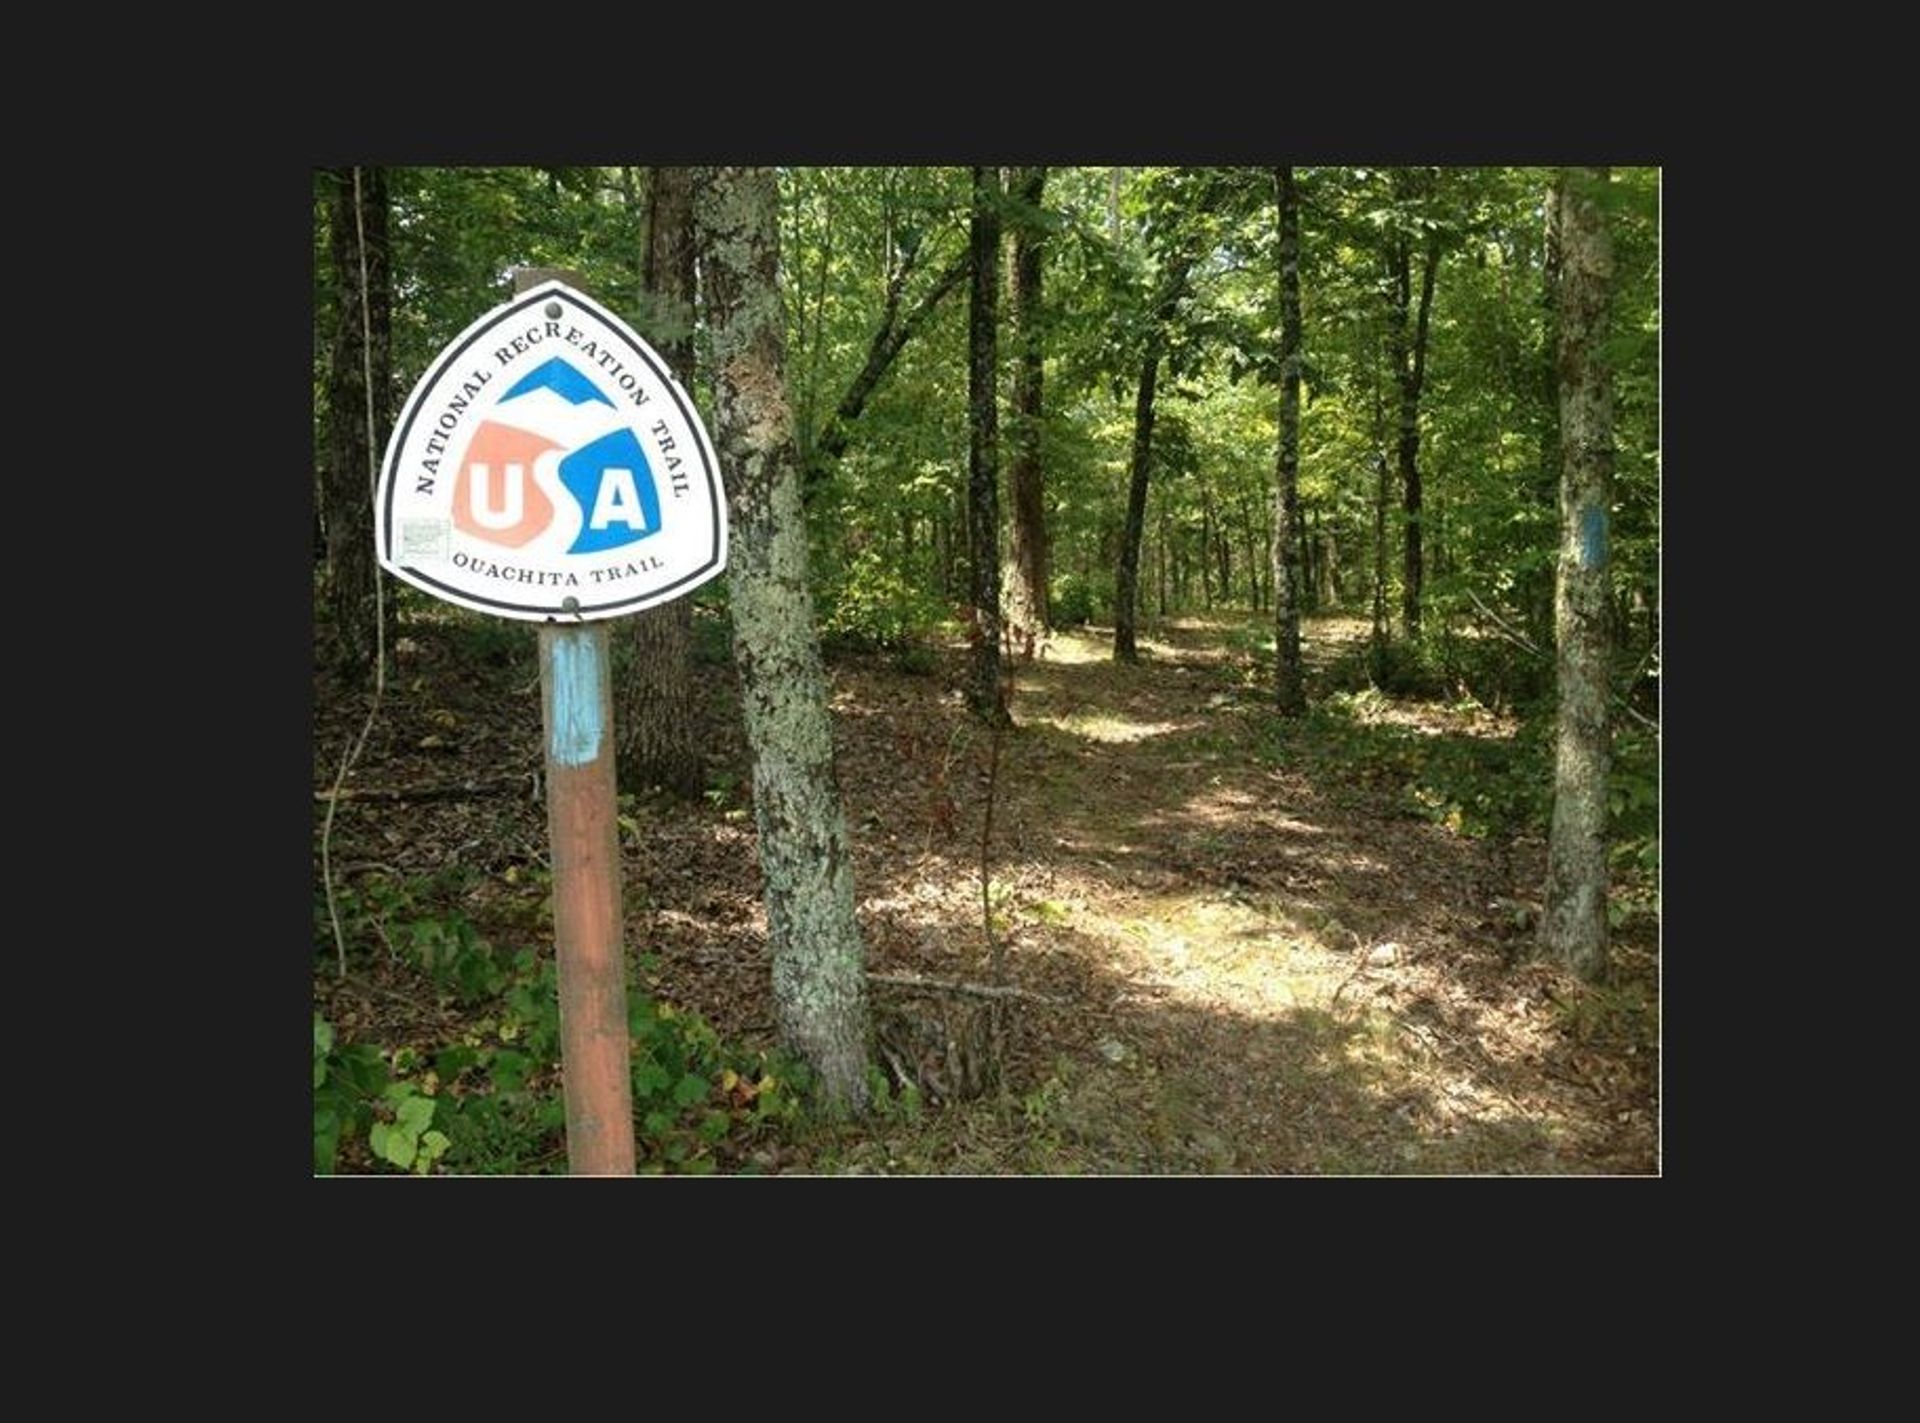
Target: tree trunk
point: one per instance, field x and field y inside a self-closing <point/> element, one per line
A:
<point x="1223" y="546"/>
<point x="1309" y="561"/>
<point x="1573" y="925"/>
<point x="1377" y="648"/>
<point x="1127" y="578"/>
<point x="1327" y="566"/>
<point x="1160" y="550"/>
<point x="983" y="475"/>
<point x="1206" y="547"/>
<point x="1027" y="566"/>
<point x="943" y="553"/>
<point x="819" y="980"/>
<point x="1290" y="688"/>
<point x="1127" y="574"/>
<point x="1248" y="550"/>
<point x="1410" y="366"/>
<point x="362" y="340"/>
<point x="657" y="703"/>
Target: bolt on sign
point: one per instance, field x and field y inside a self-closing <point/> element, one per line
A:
<point x="549" y="466"/>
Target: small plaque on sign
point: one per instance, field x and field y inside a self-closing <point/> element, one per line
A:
<point x="424" y="540"/>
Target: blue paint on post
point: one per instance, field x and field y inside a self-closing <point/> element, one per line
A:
<point x="1593" y="537"/>
<point x="576" y="698"/>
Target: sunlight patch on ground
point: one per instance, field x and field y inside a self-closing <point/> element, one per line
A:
<point x="1468" y="718"/>
<point x="1110" y="729"/>
<point x="1216" y="951"/>
<point x="1222" y="806"/>
<point x="1072" y="649"/>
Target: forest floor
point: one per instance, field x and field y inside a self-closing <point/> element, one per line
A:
<point x="1248" y="949"/>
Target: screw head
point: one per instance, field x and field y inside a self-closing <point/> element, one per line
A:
<point x="553" y="311"/>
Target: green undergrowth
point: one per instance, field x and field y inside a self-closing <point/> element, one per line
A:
<point x="1475" y="785"/>
<point x="483" y="1097"/>
<point x="868" y="606"/>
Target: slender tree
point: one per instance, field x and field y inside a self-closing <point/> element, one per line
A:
<point x="1290" y="689"/>
<point x="1126" y="596"/>
<point x="1573" y="926"/>
<point x="1027" y="565"/>
<point x="983" y="478"/>
<point x="362" y="354"/>
<point x="819" y="982"/>
<point x="1377" y="643"/>
<point x="657" y="702"/>
<point x="1410" y="367"/>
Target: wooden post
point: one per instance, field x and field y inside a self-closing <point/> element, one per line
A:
<point x="576" y="707"/>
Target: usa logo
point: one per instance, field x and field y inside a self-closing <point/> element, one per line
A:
<point x="548" y="466"/>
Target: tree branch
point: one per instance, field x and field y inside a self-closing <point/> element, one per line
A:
<point x="1521" y="641"/>
<point x="887" y="342"/>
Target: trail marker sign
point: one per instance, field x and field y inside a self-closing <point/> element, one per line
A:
<point x="548" y="466"/>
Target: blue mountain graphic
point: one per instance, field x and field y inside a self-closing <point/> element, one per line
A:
<point x="556" y="375"/>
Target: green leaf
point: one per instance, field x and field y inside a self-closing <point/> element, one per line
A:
<point x="364" y="1070"/>
<point x="326" y="1140"/>
<point x="510" y="1069"/>
<point x="322" y="1036"/>
<point x="390" y="1144"/>
<point x="415" y="1113"/>
<point x="649" y="1078"/>
<point x="691" y="1088"/>
<point x="451" y="1062"/>
<point x="433" y="1145"/>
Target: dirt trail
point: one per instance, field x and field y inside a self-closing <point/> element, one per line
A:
<point x="1260" y="962"/>
<point x="1269" y="968"/>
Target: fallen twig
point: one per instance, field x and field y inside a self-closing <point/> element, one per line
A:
<point x="948" y="985"/>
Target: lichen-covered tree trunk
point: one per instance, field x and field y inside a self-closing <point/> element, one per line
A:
<point x="819" y="979"/>
<point x="1290" y="689"/>
<point x="656" y="703"/>
<point x="1573" y="925"/>
<point x="983" y="474"/>
<point x="351" y="569"/>
<point x="1027" y="564"/>
<point x="1126" y="583"/>
<point x="1413" y="377"/>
